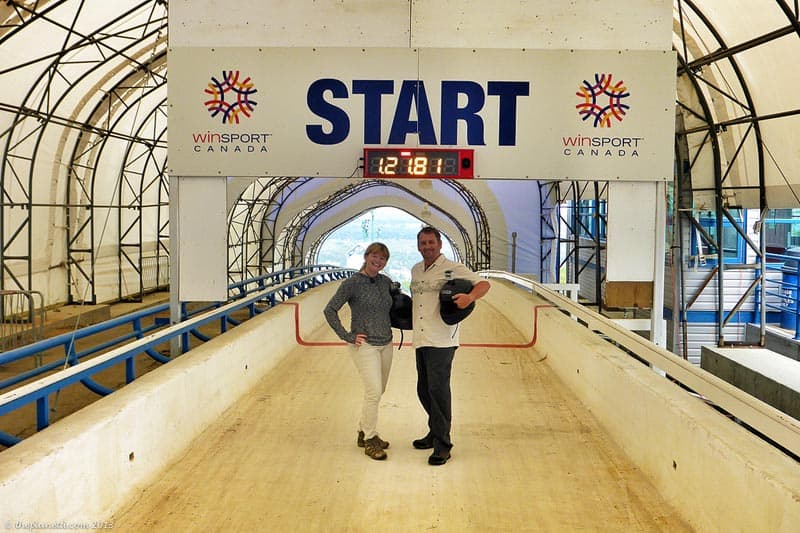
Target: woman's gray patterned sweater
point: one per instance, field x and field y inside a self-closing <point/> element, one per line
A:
<point x="370" y="301"/>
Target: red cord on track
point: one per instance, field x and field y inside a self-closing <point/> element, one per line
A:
<point x="528" y="344"/>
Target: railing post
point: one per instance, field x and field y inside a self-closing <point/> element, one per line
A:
<point x="130" y="370"/>
<point x="42" y="413"/>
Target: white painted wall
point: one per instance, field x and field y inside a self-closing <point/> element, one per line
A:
<point x="717" y="474"/>
<point x="543" y="24"/>
<point x="631" y="234"/>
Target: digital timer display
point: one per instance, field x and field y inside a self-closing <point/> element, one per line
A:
<point x="418" y="163"/>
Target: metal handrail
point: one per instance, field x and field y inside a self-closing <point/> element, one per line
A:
<point x="296" y="281"/>
<point x="239" y="290"/>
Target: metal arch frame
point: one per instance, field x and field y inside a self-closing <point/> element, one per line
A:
<point x="313" y="251"/>
<point x="477" y="257"/>
<point x="32" y="15"/>
<point x="713" y="130"/>
<point x="245" y="246"/>
<point x="135" y="205"/>
<point x="305" y="220"/>
<point x="85" y="204"/>
<point x="42" y="15"/>
<point x="248" y="214"/>
<point x="240" y="226"/>
<point x="548" y="231"/>
<point x="692" y="70"/>
<point x="43" y="111"/>
<point x="267" y="243"/>
<point x="553" y="196"/>
<point x="269" y="235"/>
<point x="483" y="246"/>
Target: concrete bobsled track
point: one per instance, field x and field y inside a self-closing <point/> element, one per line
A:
<point x="555" y="429"/>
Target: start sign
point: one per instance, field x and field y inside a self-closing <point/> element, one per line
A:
<point x="461" y="101"/>
<point x="536" y="114"/>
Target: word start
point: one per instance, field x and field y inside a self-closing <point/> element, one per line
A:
<point x="460" y="101"/>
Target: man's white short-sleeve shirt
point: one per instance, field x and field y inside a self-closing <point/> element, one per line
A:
<point x="429" y="328"/>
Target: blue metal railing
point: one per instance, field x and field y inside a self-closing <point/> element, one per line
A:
<point x="786" y="290"/>
<point x="249" y="294"/>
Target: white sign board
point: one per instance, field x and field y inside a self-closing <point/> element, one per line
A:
<point x="630" y="241"/>
<point x="538" y="114"/>
<point x="202" y="238"/>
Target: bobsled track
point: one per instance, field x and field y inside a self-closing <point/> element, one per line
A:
<point x="556" y="428"/>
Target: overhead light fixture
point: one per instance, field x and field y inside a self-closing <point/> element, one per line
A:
<point x="426" y="210"/>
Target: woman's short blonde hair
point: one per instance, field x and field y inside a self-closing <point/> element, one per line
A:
<point x="375" y="247"/>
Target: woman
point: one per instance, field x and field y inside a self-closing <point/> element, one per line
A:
<point x="368" y="293"/>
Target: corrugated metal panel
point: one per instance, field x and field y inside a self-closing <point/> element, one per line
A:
<point x="701" y="334"/>
<point x="736" y="283"/>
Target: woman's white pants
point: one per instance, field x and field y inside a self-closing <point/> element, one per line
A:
<point x="373" y="364"/>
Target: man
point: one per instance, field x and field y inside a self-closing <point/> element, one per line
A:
<point x="434" y="341"/>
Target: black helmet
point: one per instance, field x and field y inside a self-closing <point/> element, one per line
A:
<point x="400" y="313"/>
<point x="450" y="312"/>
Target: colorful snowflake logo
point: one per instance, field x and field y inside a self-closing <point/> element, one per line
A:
<point x="230" y="96"/>
<point x="601" y="101"/>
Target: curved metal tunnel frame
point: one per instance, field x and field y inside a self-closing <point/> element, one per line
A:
<point x="121" y="42"/>
<point x="257" y="244"/>
<point x="564" y="208"/>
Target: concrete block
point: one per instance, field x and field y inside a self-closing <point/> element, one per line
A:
<point x="771" y="377"/>
<point x="775" y="340"/>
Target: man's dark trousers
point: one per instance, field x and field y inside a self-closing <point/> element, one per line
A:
<point x="433" y="389"/>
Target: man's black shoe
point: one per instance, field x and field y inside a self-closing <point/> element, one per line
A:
<point x="439" y="458"/>
<point x="425" y="443"/>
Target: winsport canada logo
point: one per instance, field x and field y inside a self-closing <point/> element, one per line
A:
<point x="602" y="102"/>
<point x="230" y="97"/>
